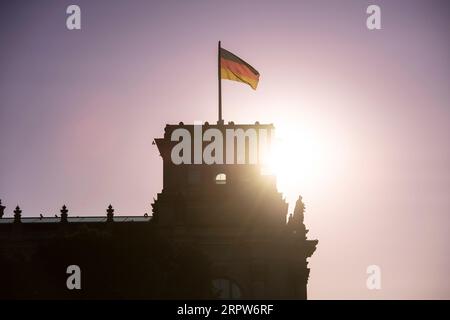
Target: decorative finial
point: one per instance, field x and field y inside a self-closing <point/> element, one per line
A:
<point x="64" y="214"/>
<point x="110" y="214"/>
<point x="2" y="209"/>
<point x="17" y="214"/>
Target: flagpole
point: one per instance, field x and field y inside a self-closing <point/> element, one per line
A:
<point x="220" y="86"/>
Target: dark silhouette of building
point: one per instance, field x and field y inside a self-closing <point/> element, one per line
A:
<point x="225" y="226"/>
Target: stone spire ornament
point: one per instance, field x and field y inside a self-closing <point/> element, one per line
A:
<point x="17" y="214"/>
<point x="64" y="214"/>
<point x="2" y="209"/>
<point x="110" y="214"/>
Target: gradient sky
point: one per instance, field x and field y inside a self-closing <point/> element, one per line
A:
<point x="368" y="110"/>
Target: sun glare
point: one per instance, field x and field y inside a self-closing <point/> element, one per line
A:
<point x="298" y="159"/>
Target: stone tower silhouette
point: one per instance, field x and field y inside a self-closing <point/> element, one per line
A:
<point x="235" y="215"/>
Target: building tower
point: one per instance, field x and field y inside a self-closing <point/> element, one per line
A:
<point x="233" y="213"/>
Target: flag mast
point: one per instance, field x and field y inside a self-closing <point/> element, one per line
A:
<point x="220" y="86"/>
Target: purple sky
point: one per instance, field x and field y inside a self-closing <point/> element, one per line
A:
<point x="79" y="110"/>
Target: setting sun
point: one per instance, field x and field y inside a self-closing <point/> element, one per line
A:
<point x="298" y="157"/>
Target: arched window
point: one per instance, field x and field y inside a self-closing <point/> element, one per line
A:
<point x="226" y="289"/>
<point x="221" y="178"/>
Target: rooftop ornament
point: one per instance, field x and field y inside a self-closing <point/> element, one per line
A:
<point x="64" y="214"/>
<point x="2" y="209"/>
<point x="110" y="214"/>
<point x="17" y="214"/>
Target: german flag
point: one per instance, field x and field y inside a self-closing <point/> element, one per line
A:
<point x="234" y="68"/>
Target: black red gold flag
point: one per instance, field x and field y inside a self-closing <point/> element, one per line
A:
<point x="234" y="68"/>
